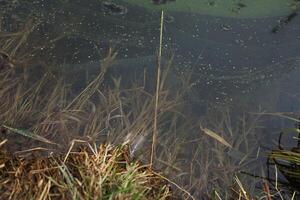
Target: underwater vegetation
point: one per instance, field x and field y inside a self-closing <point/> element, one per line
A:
<point x="287" y="161"/>
<point x="61" y="139"/>
<point x="42" y="123"/>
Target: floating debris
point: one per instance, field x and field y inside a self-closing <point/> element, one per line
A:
<point x="159" y="2"/>
<point x="241" y="5"/>
<point x="211" y="3"/>
<point x="113" y="8"/>
<point x="238" y="7"/>
<point x="284" y="21"/>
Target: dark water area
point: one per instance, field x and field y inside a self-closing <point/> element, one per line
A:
<point x="240" y="62"/>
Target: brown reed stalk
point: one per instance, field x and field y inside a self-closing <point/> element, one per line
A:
<point x="157" y="89"/>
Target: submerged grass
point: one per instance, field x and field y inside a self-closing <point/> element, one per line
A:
<point x="39" y="112"/>
<point x="287" y="161"/>
<point x="103" y="129"/>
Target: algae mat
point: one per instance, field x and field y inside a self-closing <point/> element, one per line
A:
<point x="225" y="8"/>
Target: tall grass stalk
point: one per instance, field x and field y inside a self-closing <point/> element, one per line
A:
<point x="154" y="137"/>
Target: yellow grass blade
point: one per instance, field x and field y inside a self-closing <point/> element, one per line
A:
<point x="215" y="136"/>
<point x="3" y="142"/>
<point x="28" y="134"/>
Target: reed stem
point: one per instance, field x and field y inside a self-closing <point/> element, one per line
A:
<point x="154" y="136"/>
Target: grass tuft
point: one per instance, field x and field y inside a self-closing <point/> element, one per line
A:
<point x="107" y="173"/>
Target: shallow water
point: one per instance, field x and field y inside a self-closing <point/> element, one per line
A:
<point x="249" y="58"/>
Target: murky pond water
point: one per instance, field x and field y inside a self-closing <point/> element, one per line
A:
<point x="226" y="49"/>
<point x="234" y="52"/>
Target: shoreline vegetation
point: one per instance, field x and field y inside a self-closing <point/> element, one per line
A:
<point x="61" y="142"/>
<point x="103" y="172"/>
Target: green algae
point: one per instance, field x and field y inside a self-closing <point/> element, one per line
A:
<point x="225" y="8"/>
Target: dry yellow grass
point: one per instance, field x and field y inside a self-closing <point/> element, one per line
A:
<point x="103" y="172"/>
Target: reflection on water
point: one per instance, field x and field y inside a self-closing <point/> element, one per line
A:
<point x="229" y="59"/>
